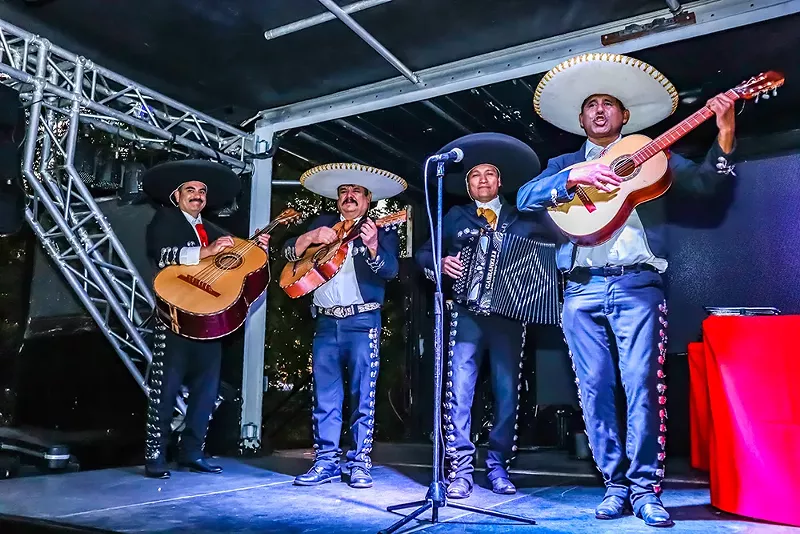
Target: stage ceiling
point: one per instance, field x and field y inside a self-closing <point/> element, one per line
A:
<point x="213" y="55"/>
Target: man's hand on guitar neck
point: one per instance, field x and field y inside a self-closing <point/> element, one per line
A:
<point x="322" y="235"/>
<point x="369" y="235"/>
<point x="594" y="174"/>
<point x="723" y="107"/>
<point x="216" y="247"/>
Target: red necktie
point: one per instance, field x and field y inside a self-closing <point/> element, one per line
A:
<point x="202" y="233"/>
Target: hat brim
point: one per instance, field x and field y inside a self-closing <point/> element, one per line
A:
<point x="222" y="184"/>
<point x="325" y="180"/>
<point x="516" y="161"/>
<point x="644" y="91"/>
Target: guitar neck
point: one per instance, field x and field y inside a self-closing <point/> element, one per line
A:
<point x="675" y="133"/>
<point x="267" y="229"/>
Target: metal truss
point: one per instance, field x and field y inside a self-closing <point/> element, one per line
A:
<point x="60" y="91"/>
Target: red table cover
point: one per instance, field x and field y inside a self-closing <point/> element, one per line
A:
<point x="699" y="408"/>
<point x="753" y="366"/>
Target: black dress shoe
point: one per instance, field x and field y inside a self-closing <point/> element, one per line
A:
<point x="200" y="466"/>
<point x="460" y="488"/>
<point x="503" y="486"/>
<point x="655" y="515"/>
<point x="360" y="478"/>
<point x="612" y="507"/>
<point x="319" y="474"/>
<point x="156" y="471"/>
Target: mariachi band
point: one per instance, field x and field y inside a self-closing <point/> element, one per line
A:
<point x="504" y="265"/>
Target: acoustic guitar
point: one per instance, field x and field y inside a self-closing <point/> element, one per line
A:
<point x="593" y="216"/>
<point x="211" y="299"/>
<point x="320" y="263"/>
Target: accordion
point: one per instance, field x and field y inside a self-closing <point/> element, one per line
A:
<point x="511" y="276"/>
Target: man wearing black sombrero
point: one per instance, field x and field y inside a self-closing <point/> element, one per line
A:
<point x="491" y="161"/>
<point x="614" y="302"/>
<point x="176" y="235"/>
<point x="347" y="309"/>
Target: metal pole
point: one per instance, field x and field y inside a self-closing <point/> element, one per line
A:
<point x="331" y="6"/>
<point x="674" y="6"/>
<point x="41" y="195"/>
<point x="255" y="326"/>
<point x="309" y="22"/>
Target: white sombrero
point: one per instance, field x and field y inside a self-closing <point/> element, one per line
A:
<point x="325" y="180"/>
<point x="642" y="89"/>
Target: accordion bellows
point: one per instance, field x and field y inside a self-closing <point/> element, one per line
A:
<point x="511" y="276"/>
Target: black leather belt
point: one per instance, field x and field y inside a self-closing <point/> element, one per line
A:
<point x="340" y="312"/>
<point x="615" y="270"/>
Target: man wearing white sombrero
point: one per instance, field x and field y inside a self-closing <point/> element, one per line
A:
<point x="348" y="316"/>
<point x="614" y="303"/>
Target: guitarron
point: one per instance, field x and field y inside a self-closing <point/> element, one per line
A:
<point x="592" y="217"/>
<point x="320" y="263"/>
<point x="211" y="299"/>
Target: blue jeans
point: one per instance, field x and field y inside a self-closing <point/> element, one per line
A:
<point x="617" y="323"/>
<point x="351" y="344"/>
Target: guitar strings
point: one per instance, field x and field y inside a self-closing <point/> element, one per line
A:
<point x="212" y="273"/>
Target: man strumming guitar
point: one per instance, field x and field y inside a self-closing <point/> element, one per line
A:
<point x="347" y="309"/>
<point x="614" y="303"/>
<point x="177" y="235"/>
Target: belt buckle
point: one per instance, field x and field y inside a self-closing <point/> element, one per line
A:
<point x="339" y="312"/>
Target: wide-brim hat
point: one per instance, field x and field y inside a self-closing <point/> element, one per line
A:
<point x="516" y="161"/>
<point x="222" y="184"/>
<point x="643" y="90"/>
<point x="325" y="180"/>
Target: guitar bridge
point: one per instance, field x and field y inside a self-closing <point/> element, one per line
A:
<point x="189" y="279"/>
<point x="587" y="202"/>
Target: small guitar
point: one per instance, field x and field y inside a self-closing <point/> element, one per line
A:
<point x="320" y="263"/>
<point x="211" y="299"/>
<point x="592" y="217"/>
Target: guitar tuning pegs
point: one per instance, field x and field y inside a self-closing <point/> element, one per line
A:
<point x="775" y="92"/>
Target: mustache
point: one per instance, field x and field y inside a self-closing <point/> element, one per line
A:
<point x="195" y="200"/>
<point x="350" y="199"/>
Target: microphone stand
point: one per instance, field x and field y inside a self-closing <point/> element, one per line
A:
<point x="437" y="496"/>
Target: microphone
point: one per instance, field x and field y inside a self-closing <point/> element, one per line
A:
<point x="454" y="155"/>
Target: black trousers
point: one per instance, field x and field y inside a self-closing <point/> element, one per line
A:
<point x="350" y="345"/>
<point x="179" y="361"/>
<point x="470" y="336"/>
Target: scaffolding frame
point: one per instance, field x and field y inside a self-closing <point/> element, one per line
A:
<point x="60" y="91"/>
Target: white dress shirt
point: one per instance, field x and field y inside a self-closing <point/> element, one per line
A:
<point x="342" y="289"/>
<point x="191" y="255"/>
<point x="495" y="205"/>
<point x="627" y="247"/>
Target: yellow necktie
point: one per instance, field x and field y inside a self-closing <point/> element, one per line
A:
<point x="489" y="215"/>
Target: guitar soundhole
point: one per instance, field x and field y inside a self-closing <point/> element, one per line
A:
<point x="228" y="261"/>
<point x="625" y="167"/>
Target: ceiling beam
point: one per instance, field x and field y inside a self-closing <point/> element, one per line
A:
<point x="367" y="37"/>
<point x="524" y="60"/>
<point x="316" y="20"/>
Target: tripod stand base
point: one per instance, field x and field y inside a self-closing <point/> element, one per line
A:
<point x="434" y="502"/>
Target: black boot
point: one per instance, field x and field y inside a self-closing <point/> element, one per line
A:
<point x="319" y="474"/>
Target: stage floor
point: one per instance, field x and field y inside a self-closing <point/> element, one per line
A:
<point x="257" y="495"/>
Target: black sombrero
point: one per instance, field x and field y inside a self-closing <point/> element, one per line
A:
<point x="221" y="182"/>
<point x="516" y="161"/>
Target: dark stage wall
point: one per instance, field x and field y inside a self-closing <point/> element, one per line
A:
<point x="740" y="248"/>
